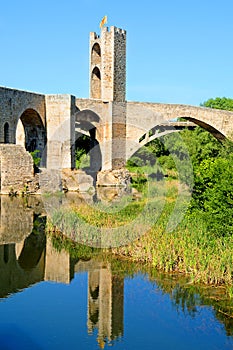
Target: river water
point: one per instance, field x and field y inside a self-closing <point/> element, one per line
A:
<point x="53" y="299"/>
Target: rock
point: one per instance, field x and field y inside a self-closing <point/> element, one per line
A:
<point x="118" y="178"/>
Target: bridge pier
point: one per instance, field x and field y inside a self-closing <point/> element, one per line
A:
<point x="60" y="151"/>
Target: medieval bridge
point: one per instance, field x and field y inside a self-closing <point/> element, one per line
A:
<point x="53" y="125"/>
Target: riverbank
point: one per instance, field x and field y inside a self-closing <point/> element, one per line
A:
<point x="188" y="249"/>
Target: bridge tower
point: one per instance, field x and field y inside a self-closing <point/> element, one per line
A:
<point x="108" y="84"/>
<point x="108" y="64"/>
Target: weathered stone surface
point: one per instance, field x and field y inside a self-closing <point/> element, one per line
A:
<point x="118" y="177"/>
<point x="16" y="168"/>
<point x="108" y="64"/>
<point x="50" y="181"/>
<point x="77" y="181"/>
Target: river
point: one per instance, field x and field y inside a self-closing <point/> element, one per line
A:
<point x="54" y="299"/>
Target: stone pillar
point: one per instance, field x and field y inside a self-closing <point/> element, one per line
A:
<point x="118" y="135"/>
<point x="60" y="131"/>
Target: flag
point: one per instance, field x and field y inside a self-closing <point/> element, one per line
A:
<point x="103" y="21"/>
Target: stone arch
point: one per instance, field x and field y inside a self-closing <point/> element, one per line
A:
<point x="217" y="122"/>
<point x="215" y="132"/>
<point x="87" y="138"/>
<point x="31" y="133"/>
<point x="96" y="83"/>
<point x="163" y="129"/>
<point x="6" y="133"/>
<point x="96" y="54"/>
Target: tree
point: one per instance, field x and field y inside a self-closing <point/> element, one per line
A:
<point x="219" y="103"/>
<point x="213" y="188"/>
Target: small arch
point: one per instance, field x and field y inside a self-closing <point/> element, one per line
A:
<point x="96" y="54"/>
<point x="6" y="133"/>
<point x="96" y="83"/>
<point x="87" y="115"/>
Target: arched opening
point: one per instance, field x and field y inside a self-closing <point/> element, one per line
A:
<point x="87" y="149"/>
<point x="6" y="133"/>
<point x="96" y="54"/>
<point x="96" y="83"/>
<point x="31" y="134"/>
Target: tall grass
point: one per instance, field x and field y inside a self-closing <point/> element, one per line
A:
<point x="188" y="248"/>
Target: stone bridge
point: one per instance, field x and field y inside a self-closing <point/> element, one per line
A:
<point x="110" y="128"/>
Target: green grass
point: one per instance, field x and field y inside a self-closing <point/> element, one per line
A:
<point x="188" y="248"/>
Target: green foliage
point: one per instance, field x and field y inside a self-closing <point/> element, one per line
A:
<point x="213" y="194"/>
<point x="82" y="159"/>
<point x="211" y="165"/>
<point x="81" y="153"/>
<point x="35" y="157"/>
<point x="219" y="103"/>
<point x="76" y="251"/>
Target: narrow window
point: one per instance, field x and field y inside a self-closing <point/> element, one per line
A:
<point x="6" y="253"/>
<point x="96" y="83"/>
<point x="6" y="133"/>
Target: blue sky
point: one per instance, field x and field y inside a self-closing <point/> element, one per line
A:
<point x="177" y="51"/>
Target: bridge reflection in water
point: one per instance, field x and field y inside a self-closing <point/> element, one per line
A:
<point x="27" y="256"/>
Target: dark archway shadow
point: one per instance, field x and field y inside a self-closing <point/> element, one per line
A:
<point x="87" y="148"/>
<point x="31" y="133"/>
<point x="34" y="246"/>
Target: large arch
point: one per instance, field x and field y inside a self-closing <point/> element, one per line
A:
<point x="31" y="133"/>
<point x="144" y="118"/>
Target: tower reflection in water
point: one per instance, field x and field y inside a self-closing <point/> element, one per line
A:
<point x="27" y="256"/>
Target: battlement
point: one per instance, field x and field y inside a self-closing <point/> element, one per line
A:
<point x="114" y="30"/>
<point x="94" y="36"/>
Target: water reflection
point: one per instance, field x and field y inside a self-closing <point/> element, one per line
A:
<point x="28" y="256"/>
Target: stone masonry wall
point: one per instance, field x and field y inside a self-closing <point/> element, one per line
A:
<point x="119" y="88"/>
<point x="111" y="63"/>
<point x="107" y="64"/>
<point x="16" y="168"/>
<point x="142" y="117"/>
<point x="13" y="104"/>
<point x="60" y="131"/>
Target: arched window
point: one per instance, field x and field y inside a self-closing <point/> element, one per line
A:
<point x="96" y="83"/>
<point x="6" y="133"/>
<point x="96" y="54"/>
